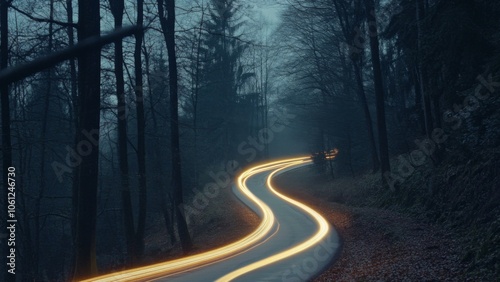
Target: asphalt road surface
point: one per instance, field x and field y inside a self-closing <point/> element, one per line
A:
<point x="292" y="243"/>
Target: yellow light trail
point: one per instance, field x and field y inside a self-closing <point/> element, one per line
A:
<point x="316" y="238"/>
<point x="194" y="261"/>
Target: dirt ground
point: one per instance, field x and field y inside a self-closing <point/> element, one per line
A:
<point x="378" y="245"/>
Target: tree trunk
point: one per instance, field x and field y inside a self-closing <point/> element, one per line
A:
<point x="348" y="26"/>
<point x="379" y="87"/>
<point x="422" y="74"/>
<point x="418" y="99"/>
<point x="74" y="97"/>
<point x="43" y="150"/>
<point x="196" y="92"/>
<point x="117" y="7"/>
<point x="358" y="73"/>
<point x="141" y="132"/>
<point x="150" y="89"/>
<point x="88" y="133"/>
<point x="349" y="149"/>
<point x="436" y="107"/>
<point x="157" y="144"/>
<point x="168" y="27"/>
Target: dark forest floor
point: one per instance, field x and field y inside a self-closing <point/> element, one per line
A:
<point x="387" y="239"/>
<point x="378" y="244"/>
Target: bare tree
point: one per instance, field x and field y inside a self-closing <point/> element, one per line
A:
<point x="43" y="138"/>
<point x="195" y="73"/>
<point x="74" y="97"/>
<point x="89" y="127"/>
<point x="168" y="27"/>
<point x="422" y="73"/>
<point x="379" y="87"/>
<point x="350" y="19"/>
<point x="141" y="132"/>
<point x="117" y="8"/>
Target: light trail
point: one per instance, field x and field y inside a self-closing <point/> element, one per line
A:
<point x="316" y="238"/>
<point x="179" y="265"/>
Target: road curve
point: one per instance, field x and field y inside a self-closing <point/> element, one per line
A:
<point x="292" y="243"/>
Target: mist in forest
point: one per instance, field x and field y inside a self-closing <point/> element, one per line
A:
<point x="114" y="113"/>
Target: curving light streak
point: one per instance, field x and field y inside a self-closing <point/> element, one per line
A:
<point x="316" y="238"/>
<point x="179" y="265"/>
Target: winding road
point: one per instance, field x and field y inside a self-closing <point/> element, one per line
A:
<point x="292" y="243"/>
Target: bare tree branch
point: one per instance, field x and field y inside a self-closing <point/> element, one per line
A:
<point x="19" y="72"/>
<point x="42" y="20"/>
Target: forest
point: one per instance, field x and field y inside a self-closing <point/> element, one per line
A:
<point x="118" y="115"/>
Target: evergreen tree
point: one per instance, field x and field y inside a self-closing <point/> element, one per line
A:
<point x="221" y="75"/>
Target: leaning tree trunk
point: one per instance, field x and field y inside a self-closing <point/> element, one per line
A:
<point x="379" y="88"/>
<point x="87" y="133"/>
<point x="168" y="27"/>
